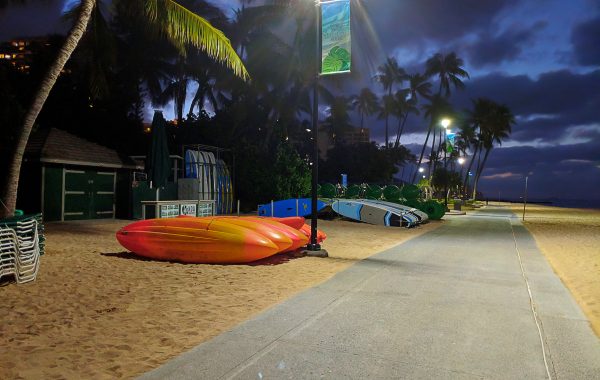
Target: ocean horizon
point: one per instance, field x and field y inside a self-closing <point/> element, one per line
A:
<point x="566" y="203"/>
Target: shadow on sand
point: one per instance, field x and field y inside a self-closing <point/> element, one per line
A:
<point x="280" y="258"/>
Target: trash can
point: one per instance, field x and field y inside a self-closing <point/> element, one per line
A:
<point x="457" y="205"/>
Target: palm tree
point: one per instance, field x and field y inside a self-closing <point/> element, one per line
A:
<point x="181" y="27"/>
<point x="498" y="126"/>
<point x="403" y="108"/>
<point x="419" y="86"/>
<point x="387" y="108"/>
<point x="366" y="104"/>
<point x="475" y="124"/>
<point x="338" y="120"/>
<point x="449" y="70"/>
<point x="387" y="75"/>
<point x="437" y="107"/>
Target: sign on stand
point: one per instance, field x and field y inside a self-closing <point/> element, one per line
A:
<point x="172" y="209"/>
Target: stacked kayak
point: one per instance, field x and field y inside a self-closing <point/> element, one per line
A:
<point x="215" y="240"/>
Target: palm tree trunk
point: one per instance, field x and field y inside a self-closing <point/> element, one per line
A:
<point x="421" y="156"/>
<point x="9" y="192"/>
<point x="400" y="130"/>
<point x="387" y="140"/>
<point x="431" y="157"/>
<point x="479" y="171"/>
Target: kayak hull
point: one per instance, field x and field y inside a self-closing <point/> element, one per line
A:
<point x="195" y="240"/>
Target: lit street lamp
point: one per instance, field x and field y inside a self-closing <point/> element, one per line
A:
<point x="461" y="160"/>
<point x="445" y="124"/>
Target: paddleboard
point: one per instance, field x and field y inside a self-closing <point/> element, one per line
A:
<point x="373" y="213"/>
<point x="289" y="207"/>
<point x="421" y="217"/>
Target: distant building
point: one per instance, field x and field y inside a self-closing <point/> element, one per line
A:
<point x="20" y="52"/>
<point x="351" y="136"/>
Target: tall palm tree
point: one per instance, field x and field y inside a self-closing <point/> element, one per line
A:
<point x="476" y="122"/>
<point x="449" y="70"/>
<point x="418" y="86"/>
<point x="437" y="107"/>
<point x="403" y="108"/>
<point x="366" y="104"/>
<point x="388" y="74"/>
<point x="180" y="26"/>
<point x="338" y="120"/>
<point x="387" y="108"/>
<point x="498" y="127"/>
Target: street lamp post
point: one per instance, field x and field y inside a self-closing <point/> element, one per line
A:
<point x="445" y="124"/>
<point x="461" y="161"/>
<point x="314" y="248"/>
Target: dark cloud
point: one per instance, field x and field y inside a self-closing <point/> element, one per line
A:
<point x="440" y="20"/>
<point x="586" y="42"/>
<point x="492" y="49"/>
<point x="560" y="98"/>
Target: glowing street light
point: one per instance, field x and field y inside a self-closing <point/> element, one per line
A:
<point x="445" y="123"/>
<point x="421" y="170"/>
<point x="461" y="160"/>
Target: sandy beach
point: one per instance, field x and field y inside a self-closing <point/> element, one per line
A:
<point x="96" y="311"/>
<point x="570" y="240"/>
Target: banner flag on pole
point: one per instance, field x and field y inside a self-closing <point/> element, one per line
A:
<point x="450" y="142"/>
<point x="335" y="37"/>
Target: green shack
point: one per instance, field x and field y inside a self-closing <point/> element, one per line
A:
<point x="69" y="178"/>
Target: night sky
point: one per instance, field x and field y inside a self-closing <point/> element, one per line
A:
<point x="541" y="58"/>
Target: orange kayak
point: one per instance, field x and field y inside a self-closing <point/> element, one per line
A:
<point x="296" y="222"/>
<point x="298" y="238"/>
<point x="320" y="234"/>
<point x="196" y="240"/>
<point x="281" y="240"/>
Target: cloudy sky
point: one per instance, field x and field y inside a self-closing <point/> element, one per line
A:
<point x="541" y="58"/>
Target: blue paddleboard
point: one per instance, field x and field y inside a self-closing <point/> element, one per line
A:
<point x="287" y="208"/>
<point x="371" y="213"/>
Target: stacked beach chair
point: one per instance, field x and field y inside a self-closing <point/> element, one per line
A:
<point x="21" y="244"/>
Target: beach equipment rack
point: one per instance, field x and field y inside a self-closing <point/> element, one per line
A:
<point x="22" y="243"/>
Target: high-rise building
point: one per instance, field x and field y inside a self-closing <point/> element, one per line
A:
<point x="351" y="136"/>
<point x="19" y="52"/>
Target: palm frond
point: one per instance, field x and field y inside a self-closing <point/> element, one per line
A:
<point x="184" y="27"/>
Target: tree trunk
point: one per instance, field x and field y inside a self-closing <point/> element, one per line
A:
<point x="431" y="168"/>
<point x="387" y="140"/>
<point x="400" y="130"/>
<point x="421" y="156"/>
<point x="9" y="192"/>
<point x="479" y="171"/>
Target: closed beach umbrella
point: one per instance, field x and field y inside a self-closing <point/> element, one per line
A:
<point x="158" y="165"/>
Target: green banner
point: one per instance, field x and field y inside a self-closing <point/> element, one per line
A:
<point x="450" y="137"/>
<point x="335" y="37"/>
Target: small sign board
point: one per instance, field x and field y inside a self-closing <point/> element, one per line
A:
<point x="169" y="211"/>
<point x="205" y="209"/>
<point x="188" y="209"/>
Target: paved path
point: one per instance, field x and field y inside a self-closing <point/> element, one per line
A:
<point x="451" y="304"/>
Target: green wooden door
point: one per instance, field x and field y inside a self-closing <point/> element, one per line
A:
<point x="88" y="194"/>
<point x="103" y="194"/>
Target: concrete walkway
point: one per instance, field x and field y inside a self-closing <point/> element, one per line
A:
<point x="451" y="304"/>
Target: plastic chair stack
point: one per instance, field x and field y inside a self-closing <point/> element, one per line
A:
<point x="21" y="244"/>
